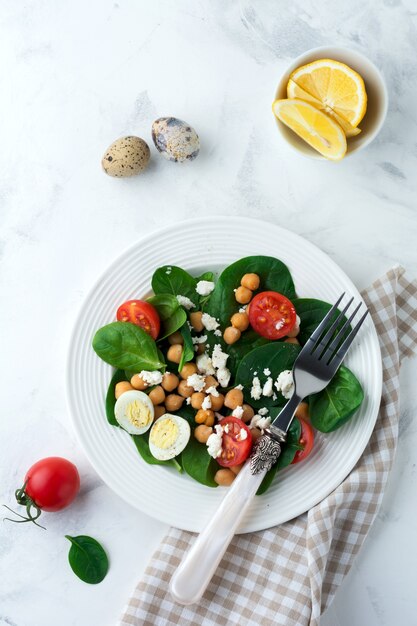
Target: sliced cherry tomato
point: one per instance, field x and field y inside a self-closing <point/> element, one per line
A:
<point x="271" y="315"/>
<point x="142" y="314"/>
<point x="306" y="440"/>
<point x="236" y="442"/>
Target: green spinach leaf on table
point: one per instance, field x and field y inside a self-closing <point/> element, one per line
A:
<point x="311" y="312"/>
<point x="287" y="455"/>
<point x="117" y="377"/>
<point x="336" y="404"/>
<point x="273" y="273"/>
<point x="87" y="559"/>
<point x="176" y="281"/>
<point x="188" y="351"/>
<point x="127" y="346"/>
<point x="277" y="357"/>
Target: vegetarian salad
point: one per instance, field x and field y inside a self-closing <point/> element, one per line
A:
<point x="204" y="365"/>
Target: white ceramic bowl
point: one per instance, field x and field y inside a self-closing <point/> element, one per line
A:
<point x="375" y="88"/>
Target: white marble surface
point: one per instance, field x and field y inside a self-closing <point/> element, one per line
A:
<point x="75" y="76"/>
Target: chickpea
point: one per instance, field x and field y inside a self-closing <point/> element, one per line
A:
<point x="248" y="413"/>
<point x="204" y="415"/>
<point x="176" y="338"/>
<point x="138" y="383"/>
<point x="158" y="411"/>
<point x="250" y="281"/>
<point x="293" y="340"/>
<point x="121" y="388"/>
<point x="303" y="411"/>
<point x="197" y="399"/>
<point x="217" y="401"/>
<point x="201" y="348"/>
<point x="202" y="433"/>
<point x="240" y="321"/>
<point x="210" y="420"/>
<point x="236" y="468"/>
<point x="231" y="335"/>
<point x="243" y="295"/>
<point x="173" y="402"/>
<point x="170" y="381"/>
<point x="211" y="382"/>
<point x="294" y="331"/>
<point x="256" y="433"/>
<point x="224" y="477"/>
<point x="233" y="398"/>
<point x="188" y="370"/>
<point x="157" y="395"/>
<point x="184" y="390"/>
<point x="174" y="353"/>
<point x="196" y="323"/>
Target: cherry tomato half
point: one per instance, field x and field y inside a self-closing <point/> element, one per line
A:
<point x="271" y="315"/>
<point x="306" y="440"/>
<point x="142" y="314"/>
<point x="52" y="483"/>
<point x="236" y="442"/>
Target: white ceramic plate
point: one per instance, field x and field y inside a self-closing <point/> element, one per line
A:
<point x="161" y="492"/>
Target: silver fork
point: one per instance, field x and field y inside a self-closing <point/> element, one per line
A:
<point x="313" y="369"/>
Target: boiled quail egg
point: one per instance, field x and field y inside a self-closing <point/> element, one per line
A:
<point x="134" y="412"/>
<point x="168" y="437"/>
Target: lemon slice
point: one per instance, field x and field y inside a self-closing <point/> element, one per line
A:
<point x="295" y="91"/>
<point x="335" y="85"/>
<point x="319" y="130"/>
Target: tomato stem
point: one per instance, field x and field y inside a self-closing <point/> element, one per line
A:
<point x="23" y="499"/>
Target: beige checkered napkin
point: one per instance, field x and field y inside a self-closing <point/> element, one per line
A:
<point x="289" y="574"/>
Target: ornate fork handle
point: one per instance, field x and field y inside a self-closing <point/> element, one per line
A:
<point x="266" y="451"/>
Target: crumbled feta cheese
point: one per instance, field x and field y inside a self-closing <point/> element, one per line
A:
<point x="256" y="390"/>
<point x="240" y="387"/>
<point x="188" y="400"/>
<point x="219" y="416"/>
<point x="264" y="411"/>
<point x="274" y="396"/>
<point x="243" y="434"/>
<point x="209" y="322"/>
<point x="213" y="391"/>
<point x="219" y="358"/>
<point x="196" y="381"/>
<point x="168" y="270"/>
<point x="280" y="324"/>
<point x="190" y="326"/>
<point x="242" y="309"/>
<point x="204" y="364"/>
<point x="151" y="378"/>
<point x="206" y="404"/>
<point x="267" y="389"/>
<point x="226" y="428"/>
<point x="238" y="412"/>
<point x="260" y="422"/>
<point x="204" y="287"/>
<point x="267" y="371"/>
<point x="186" y="302"/>
<point x="218" y="332"/>
<point x="285" y="384"/>
<point x="200" y="339"/>
<point x="223" y="376"/>
<point x="214" y="442"/>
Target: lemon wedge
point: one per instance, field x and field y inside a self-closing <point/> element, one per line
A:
<point x="336" y="86"/>
<point x="319" y="130"/>
<point x="295" y="91"/>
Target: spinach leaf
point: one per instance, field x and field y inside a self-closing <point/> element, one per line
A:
<point x="333" y="406"/>
<point x="274" y="276"/>
<point x="287" y="455"/>
<point x="275" y="356"/>
<point x="311" y="312"/>
<point x="174" y="280"/>
<point x="118" y="376"/>
<point x="198" y="464"/>
<point x="142" y="445"/>
<point x="87" y="559"/>
<point x="172" y="314"/>
<point x="188" y="352"/>
<point x="126" y="346"/>
<point x="206" y="276"/>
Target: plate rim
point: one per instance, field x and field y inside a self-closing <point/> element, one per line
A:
<point x="254" y="222"/>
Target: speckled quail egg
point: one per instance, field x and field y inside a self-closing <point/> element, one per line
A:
<point x="126" y="156"/>
<point x="168" y="437"/>
<point x="134" y="412"/>
<point x="175" y="140"/>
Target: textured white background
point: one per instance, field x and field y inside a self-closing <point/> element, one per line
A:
<point x="75" y="76"/>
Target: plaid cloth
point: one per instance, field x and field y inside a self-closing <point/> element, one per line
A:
<point x="288" y="575"/>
